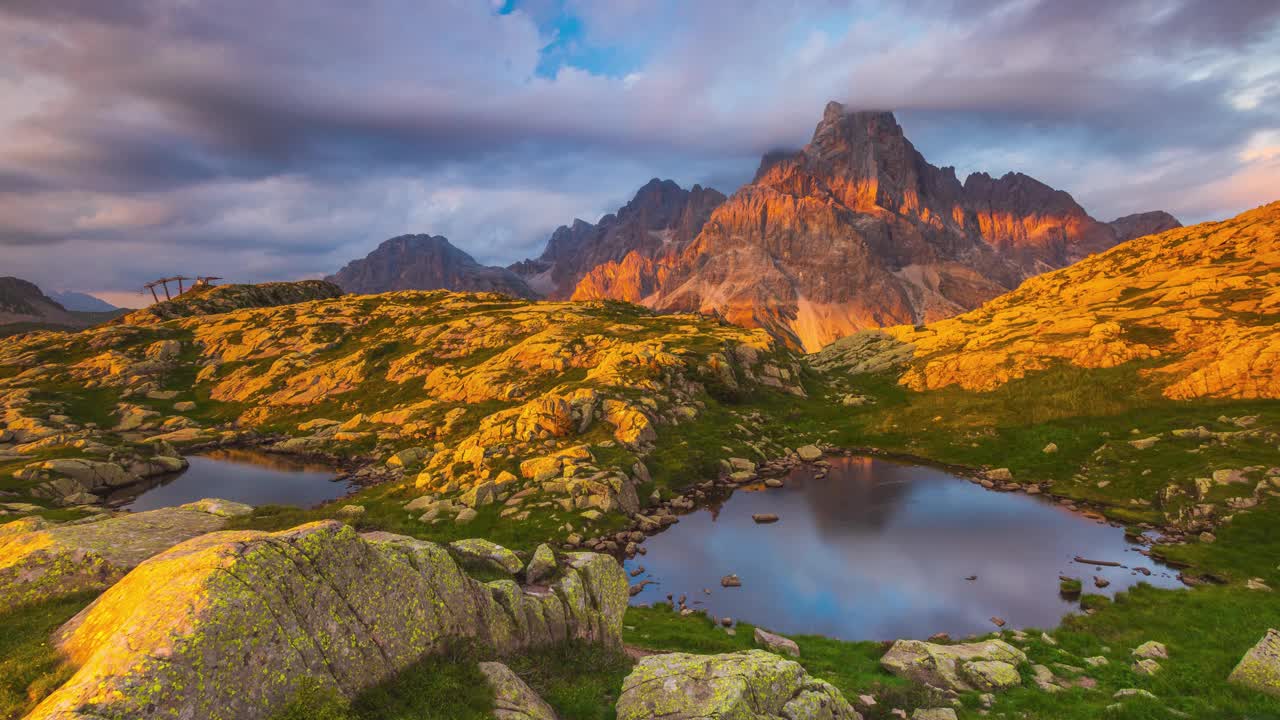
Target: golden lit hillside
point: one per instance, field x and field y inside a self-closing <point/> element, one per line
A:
<point x="1200" y="305"/>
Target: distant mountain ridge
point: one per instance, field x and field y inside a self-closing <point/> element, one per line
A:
<point x="25" y="307"/>
<point x="23" y="301"/>
<point x="83" y="302"/>
<point x="858" y="230"/>
<point x="425" y="262"/>
<point x="662" y="215"/>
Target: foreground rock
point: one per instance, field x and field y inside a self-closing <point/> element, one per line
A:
<point x="1259" y="669"/>
<point x="39" y="561"/>
<point x="751" y="684"/>
<point x="230" y="624"/>
<point x="512" y="698"/>
<point x="988" y="665"/>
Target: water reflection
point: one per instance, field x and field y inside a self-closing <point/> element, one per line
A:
<point x="248" y="476"/>
<point x="880" y="550"/>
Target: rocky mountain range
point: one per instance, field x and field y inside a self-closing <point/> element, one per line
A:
<point x="662" y="217"/>
<point x="83" y="302"/>
<point x="23" y="302"/>
<point x="425" y="262"/>
<point x="25" y="307"/>
<point x="858" y="230"/>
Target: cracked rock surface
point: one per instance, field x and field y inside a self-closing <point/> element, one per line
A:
<point x="755" y="684"/>
<point x="229" y="624"/>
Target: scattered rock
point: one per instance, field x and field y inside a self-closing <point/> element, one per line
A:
<point x="750" y="684"/>
<point x="777" y="643"/>
<point x="941" y="665"/>
<point x="1146" y="666"/>
<point x="1050" y="448"/>
<point x="1151" y="649"/>
<point x="730" y="581"/>
<point x="999" y="475"/>
<point x="933" y="714"/>
<point x="809" y="453"/>
<point x="1133" y="692"/>
<point x="1259" y="669"/>
<point x="1144" y="443"/>
<point x="512" y="698"/>
<point x="764" y="518"/>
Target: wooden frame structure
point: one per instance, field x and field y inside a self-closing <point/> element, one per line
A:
<point x="200" y="281"/>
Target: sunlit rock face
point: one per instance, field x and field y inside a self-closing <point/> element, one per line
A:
<point x="232" y="624"/>
<point x="856" y="231"/>
<point x="1200" y="304"/>
<point x="661" y="218"/>
<point x="425" y="262"/>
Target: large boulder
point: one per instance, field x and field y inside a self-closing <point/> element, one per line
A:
<point x="748" y="685"/>
<point x="231" y="624"/>
<point x="1259" y="669"/>
<point x="40" y="561"/>
<point x="960" y="667"/>
<point x="512" y="698"/>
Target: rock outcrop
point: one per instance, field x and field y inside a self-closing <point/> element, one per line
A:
<point x="512" y="698"/>
<point x="212" y="300"/>
<point x="661" y="219"/>
<point x="39" y="561"/>
<point x="425" y="262"/>
<point x="230" y="624"/>
<point x="857" y="231"/>
<point x="1199" y="305"/>
<point x="1141" y="224"/>
<point x="751" y="684"/>
<point x="1259" y="669"/>
<point x="466" y="397"/>
<point x="987" y="665"/>
<point x="22" y="302"/>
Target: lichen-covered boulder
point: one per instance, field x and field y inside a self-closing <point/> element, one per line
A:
<point x="230" y="624"/>
<point x="989" y="675"/>
<point x="541" y="566"/>
<point x="40" y="561"/>
<point x="949" y="667"/>
<point x="1259" y="669"/>
<point x="739" y="686"/>
<point x="777" y="643"/>
<point x="512" y="698"/>
<point x="489" y="554"/>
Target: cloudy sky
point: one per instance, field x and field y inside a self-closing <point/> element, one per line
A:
<point x="272" y="139"/>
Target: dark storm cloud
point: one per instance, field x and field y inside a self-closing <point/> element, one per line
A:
<point x="293" y="134"/>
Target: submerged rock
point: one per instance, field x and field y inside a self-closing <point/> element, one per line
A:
<point x="750" y="684"/>
<point x="231" y="624"/>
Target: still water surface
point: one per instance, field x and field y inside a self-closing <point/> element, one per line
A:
<point x="881" y="550"/>
<point x="247" y="476"/>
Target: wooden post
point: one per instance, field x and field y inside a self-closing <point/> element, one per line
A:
<point x="155" y="297"/>
<point x="165" y="282"/>
<point x="180" y="288"/>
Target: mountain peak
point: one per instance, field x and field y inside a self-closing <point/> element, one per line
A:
<point x="425" y="262"/>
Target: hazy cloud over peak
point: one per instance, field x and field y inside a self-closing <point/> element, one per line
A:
<point x="271" y="140"/>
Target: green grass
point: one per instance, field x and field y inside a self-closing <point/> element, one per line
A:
<point x="852" y="667"/>
<point x="30" y="667"/>
<point x="579" y="681"/>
